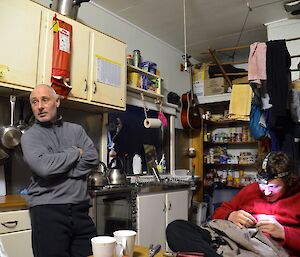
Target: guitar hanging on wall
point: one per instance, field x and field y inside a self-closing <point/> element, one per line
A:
<point x="190" y="113"/>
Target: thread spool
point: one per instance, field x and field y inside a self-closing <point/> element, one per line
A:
<point x="152" y="123"/>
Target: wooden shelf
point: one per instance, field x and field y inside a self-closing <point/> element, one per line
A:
<point x="151" y="76"/>
<point x="231" y="74"/>
<point x="214" y="98"/>
<point x="231" y="143"/>
<point x="149" y="93"/>
<point x="229" y="165"/>
<point x="223" y="123"/>
<point x="137" y="69"/>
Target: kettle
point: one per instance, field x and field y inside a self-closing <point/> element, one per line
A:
<point x="97" y="178"/>
<point x="115" y="173"/>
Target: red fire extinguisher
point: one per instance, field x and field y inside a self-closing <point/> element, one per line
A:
<point x="61" y="57"/>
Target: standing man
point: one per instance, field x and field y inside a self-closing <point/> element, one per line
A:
<point x="60" y="155"/>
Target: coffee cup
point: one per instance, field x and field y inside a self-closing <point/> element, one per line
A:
<point x="103" y="246"/>
<point x="126" y="241"/>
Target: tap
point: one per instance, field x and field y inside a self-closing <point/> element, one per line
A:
<point x="155" y="173"/>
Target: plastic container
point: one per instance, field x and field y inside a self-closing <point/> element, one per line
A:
<point x="137" y="164"/>
<point x="199" y="212"/>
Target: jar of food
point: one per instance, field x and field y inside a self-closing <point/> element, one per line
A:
<point x="136" y="58"/>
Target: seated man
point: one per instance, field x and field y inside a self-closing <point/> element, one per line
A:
<point x="272" y="206"/>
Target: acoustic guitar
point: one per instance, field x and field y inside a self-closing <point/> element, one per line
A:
<point x="190" y="113"/>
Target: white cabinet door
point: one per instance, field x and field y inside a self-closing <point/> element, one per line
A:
<point x="17" y="244"/>
<point x="108" y="66"/>
<point x="79" y="54"/>
<point x="177" y="206"/>
<point x="151" y="219"/>
<point x="19" y="44"/>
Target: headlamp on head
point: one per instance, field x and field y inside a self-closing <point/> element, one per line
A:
<point x="264" y="176"/>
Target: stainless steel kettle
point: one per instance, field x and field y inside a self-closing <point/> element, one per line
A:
<point x="97" y="178"/>
<point x="115" y="172"/>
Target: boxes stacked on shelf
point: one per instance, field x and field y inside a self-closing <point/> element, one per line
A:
<point x="232" y="134"/>
<point x="136" y="78"/>
<point x="229" y="178"/>
<point x="220" y="155"/>
<point x="215" y="86"/>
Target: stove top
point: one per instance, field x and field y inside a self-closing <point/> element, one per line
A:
<point x="109" y="189"/>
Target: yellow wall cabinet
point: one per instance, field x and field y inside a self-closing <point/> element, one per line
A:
<point x="98" y="64"/>
<point x="19" y="44"/>
<point x="79" y="54"/>
<point x="98" y="61"/>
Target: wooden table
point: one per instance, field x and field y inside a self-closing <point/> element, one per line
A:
<point x="141" y="251"/>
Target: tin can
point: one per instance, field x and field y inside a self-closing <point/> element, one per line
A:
<point x="136" y="58"/>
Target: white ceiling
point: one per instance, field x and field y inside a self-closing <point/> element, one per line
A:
<point x="209" y="23"/>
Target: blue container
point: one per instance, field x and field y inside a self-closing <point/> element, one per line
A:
<point x="149" y="66"/>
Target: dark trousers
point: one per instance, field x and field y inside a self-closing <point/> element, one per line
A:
<point x="62" y="230"/>
<point x="184" y="236"/>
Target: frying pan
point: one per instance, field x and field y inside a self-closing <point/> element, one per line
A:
<point x="10" y="135"/>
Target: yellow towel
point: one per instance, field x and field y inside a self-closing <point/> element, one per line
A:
<point x="240" y="102"/>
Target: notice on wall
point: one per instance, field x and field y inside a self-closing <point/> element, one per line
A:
<point x="108" y="71"/>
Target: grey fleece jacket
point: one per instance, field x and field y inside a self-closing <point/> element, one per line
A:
<point x="59" y="173"/>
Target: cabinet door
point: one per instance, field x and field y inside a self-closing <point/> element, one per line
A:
<point x="17" y="244"/>
<point x="108" y="66"/>
<point x="177" y="206"/>
<point x="79" y="54"/>
<point x="151" y="219"/>
<point x="19" y="44"/>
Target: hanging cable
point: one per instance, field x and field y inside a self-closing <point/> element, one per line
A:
<point x="250" y="9"/>
<point x="242" y="30"/>
<point x="184" y="35"/>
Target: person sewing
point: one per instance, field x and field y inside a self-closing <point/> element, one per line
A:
<point x="271" y="205"/>
<point x="60" y="155"/>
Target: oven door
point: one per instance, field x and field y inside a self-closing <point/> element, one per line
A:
<point x="113" y="212"/>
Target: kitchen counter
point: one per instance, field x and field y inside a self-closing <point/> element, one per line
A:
<point x="12" y="202"/>
<point x="162" y="187"/>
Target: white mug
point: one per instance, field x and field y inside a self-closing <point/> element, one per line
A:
<point x="103" y="246"/>
<point x="126" y="238"/>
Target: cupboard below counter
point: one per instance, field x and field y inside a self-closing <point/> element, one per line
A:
<point x="156" y="211"/>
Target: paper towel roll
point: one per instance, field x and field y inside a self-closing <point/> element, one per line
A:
<point x="152" y="123"/>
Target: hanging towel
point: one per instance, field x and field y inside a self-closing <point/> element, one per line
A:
<point x="240" y="102"/>
<point x="257" y="62"/>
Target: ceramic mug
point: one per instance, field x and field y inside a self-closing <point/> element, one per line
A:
<point x="103" y="246"/>
<point x="126" y="241"/>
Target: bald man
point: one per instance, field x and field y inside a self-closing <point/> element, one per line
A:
<point x="60" y="155"/>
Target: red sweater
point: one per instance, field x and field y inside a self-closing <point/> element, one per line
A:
<point x="286" y="211"/>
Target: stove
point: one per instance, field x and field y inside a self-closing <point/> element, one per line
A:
<point x="114" y="208"/>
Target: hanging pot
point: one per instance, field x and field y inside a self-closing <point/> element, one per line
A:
<point x="97" y="178"/>
<point x="10" y="135"/>
<point x="115" y="172"/>
<point x="67" y="8"/>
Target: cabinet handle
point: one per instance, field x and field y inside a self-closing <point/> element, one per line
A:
<point x="170" y="206"/>
<point x="95" y="88"/>
<point x="165" y="208"/>
<point x="86" y="85"/>
<point x="10" y="224"/>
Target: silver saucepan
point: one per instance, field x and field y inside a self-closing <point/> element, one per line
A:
<point x="10" y="135"/>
